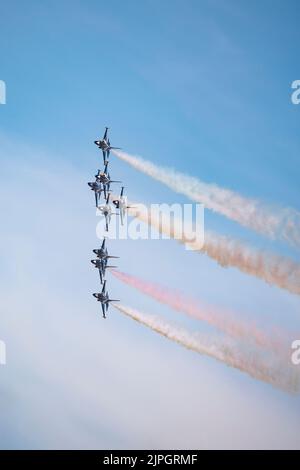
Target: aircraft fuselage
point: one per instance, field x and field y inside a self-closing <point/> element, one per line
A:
<point x="103" y="298"/>
<point x="100" y="253"/>
<point x="95" y="186"/>
<point x="102" y="144"/>
<point x="103" y="178"/>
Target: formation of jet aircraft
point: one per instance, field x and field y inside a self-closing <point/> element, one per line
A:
<point x="101" y="185"/>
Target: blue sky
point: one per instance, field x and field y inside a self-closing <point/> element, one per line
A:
<point x="203" y="87"/>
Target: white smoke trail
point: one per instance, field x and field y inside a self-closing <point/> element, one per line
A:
<point x="275" y="374"/>
<point x="228" y="252"/>
<point x="280" y="223"/>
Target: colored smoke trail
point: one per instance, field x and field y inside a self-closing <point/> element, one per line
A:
<point x="281" y="377"/>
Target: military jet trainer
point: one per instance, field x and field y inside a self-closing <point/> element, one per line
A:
<point x="98" y="188"/>
<point x="103" y="297"/>
<point x="104" y="178"/>
<point x="121" y="204"/>
<point x="105" y="146"/>
<point x="106" y="211"/>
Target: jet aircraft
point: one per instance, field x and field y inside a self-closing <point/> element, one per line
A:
<point x="103" y="297"/>
<point x="104" y="178"/>
<point x="98" y="188"/>
<point x="102" y="252"/>
<point x="101" y="265"/>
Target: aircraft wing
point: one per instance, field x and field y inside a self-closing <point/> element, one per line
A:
<point x="103" y="310"/>
<point x="104" y="286"/>
<point x="105" y="133"/>
<point x="103" y="244"/>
